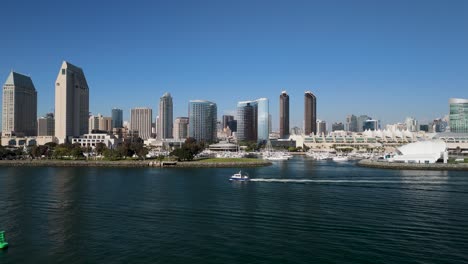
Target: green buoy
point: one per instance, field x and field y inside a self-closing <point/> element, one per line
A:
<point x="3" y="243"/>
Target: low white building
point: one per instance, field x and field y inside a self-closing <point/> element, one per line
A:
<point x="422" y="152"/>
<point x="90" y="140"/>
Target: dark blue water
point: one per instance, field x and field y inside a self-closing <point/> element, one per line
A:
<point x="341" y="214"/>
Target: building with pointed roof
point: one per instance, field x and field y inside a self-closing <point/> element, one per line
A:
<point x="19" y="115"/>
<point x="71" y="103"/>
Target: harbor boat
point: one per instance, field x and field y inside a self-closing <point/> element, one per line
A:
<point x="239" y="177"/>
<point x="340" y="158"/>
<point x="3" y="243"/>
<point x="276" y="157"/>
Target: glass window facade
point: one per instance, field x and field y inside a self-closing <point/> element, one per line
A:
<point x="458" y="115"/>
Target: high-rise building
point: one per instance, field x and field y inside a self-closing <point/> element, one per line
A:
<point x="202" y="120"/>
<point x="46" y="125"/>
<point x="19" y="115"/>
<point x="140" y="120"/>
<point x="321" y="127"/>
<point x="117" y="118"/>
<point x="253" y="120"/>
<point x="310" y="113"/>
<point x="412" y="124"/>
<point x="337" y="126"/>
<point x="165" y="117"/>
<point x="361" y="121"/>
<point x="263" y="119"/>
<point x="181" y="128"/>
<point x="247" y="121"/>
<point x="226" y="119"/>
<point x="458" y="115"/>
<point x="424" y="128"/>
<point x="284" y="114"/>
<point x="71" y="103"/>
<point x="351" y="123"/>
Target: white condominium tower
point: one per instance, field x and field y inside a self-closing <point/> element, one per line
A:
<point x="140" y="120"/>
<point x="19" y="115"/>
<point x="71" y="103"/>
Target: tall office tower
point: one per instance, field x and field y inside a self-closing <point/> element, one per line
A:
<point x="247" y="121"/>
<point x="19" y="115"/>
<point x="310" y="113"/>
<point x="202" y="120"/>
<point x="458" y="115"/>
<point x="351" y="123"/>
<point x="181" y="128"/>
<point x="226" y="119"/>
<point x="71" y="103"/>
<point x="45" y="125"/>
<point x="361" y="120"/>
<point x="412" y="124"/>
<point x="263" y="119"/>
<point x="284" y="114"/>
<point x="337" y="126"/>
<point x="140" y="121"/>
<point x="321" y="127"/>
<point x="117" y="118"/>
<point x="165" y="117"/>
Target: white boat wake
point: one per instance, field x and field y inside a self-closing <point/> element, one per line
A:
<point x="342" y="181"/>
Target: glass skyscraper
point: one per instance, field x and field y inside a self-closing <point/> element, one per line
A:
<point x="202" y="120"/>
<point x="458" y="115"/>
<point x="253" y="120"/>
<point x="117" y="118"/>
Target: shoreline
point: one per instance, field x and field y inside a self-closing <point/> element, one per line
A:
<point x="413" y="166"/>
<point x="130" y="164"/>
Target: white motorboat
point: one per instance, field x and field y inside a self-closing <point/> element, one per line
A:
<point x="340" y="158"/>
<point x="239" y="177"/>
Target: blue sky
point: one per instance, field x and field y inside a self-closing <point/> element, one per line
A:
<point x="387" y="59"/>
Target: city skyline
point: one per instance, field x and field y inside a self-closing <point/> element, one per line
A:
<point x="405" y="61"/>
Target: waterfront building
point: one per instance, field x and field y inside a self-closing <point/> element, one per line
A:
<point x="337" y="126"/>
<point x="422" y="152"/>
<point x="92" y="139"/>
<point x="351" y="123"/>
<point x="458" y="115"/>
<point x="117" y="118"/>
<point x="321" y="127"/>
<point x="202" y="120"/>
<point x="100" y="123"/>
<point x="165" y="125"/>
<point x="253" y="120"/>
<point x="439" y="125"/>
<point x="284" y="114"/>
<point x="140" y="120"/>
<point x="19" y="108"/>
<point x="310" y="113"/>
<point x="181" y="127"/>
<point x="246" y="121"/>
<point x="46" y="125"/>
<point x="411" y="124"/>
<point x="263" y="119"/>
<point x="71" y="103"/>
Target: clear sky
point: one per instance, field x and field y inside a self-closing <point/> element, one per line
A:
<point x="386" y="59"/>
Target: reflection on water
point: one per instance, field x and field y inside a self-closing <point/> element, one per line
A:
<point x="298" y="211"/>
